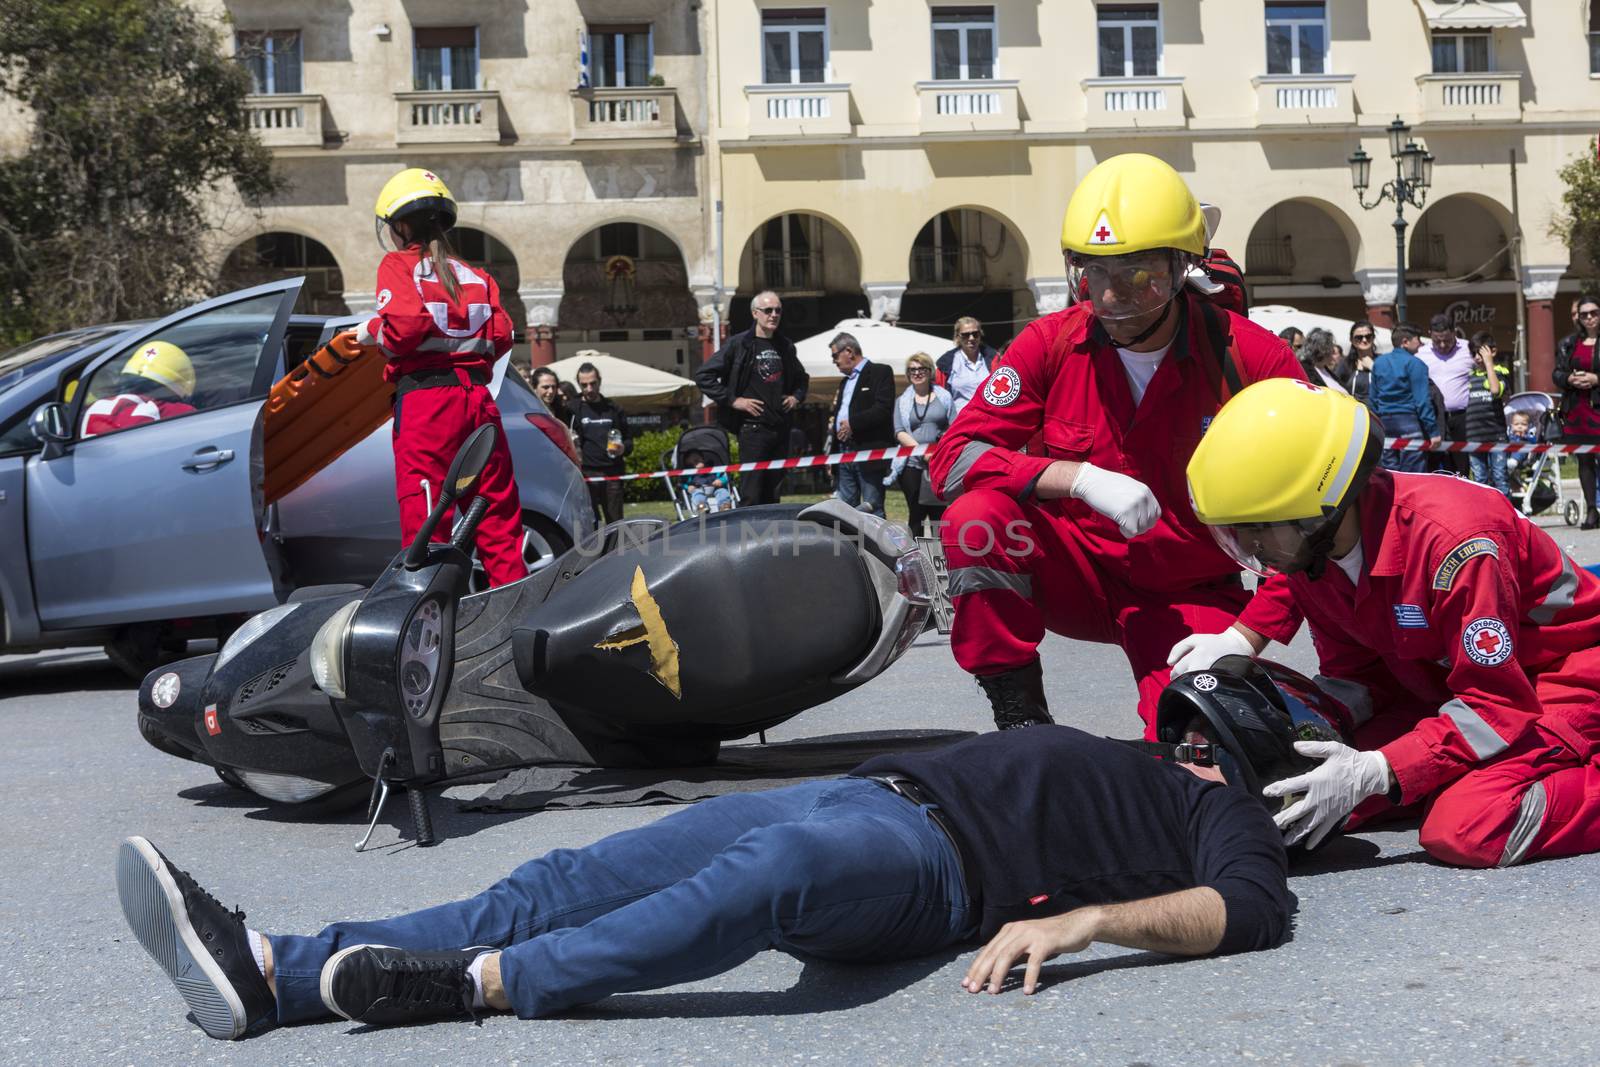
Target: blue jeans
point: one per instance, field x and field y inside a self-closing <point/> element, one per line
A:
<point x="1402" y="426"/>
<point x="861" y="485"/>
<point x="718" y="500"/>
<point x="839" y="869"/>
<point x="1490" y="469"/>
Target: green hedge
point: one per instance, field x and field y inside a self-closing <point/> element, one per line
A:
<point x="651" y="450"/>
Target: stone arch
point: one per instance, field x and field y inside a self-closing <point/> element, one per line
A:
<point x="283" y="252"/>
<point x="1463" y="235"/>
<point x="626" y="274"/>
<point x="812" y="261"/>
<point x="1302" y="240"/>
<point x="968" y="260"/>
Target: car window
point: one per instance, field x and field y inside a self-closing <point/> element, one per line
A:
<point x="200" y="364"/>
<point x="15" y="364"/>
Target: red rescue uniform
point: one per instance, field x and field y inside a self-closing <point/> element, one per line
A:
<point x="1020" y="566"/>
<point x="1471" y="640"/>
<point x="129" y="409"/>
<point x="441" y="352"/>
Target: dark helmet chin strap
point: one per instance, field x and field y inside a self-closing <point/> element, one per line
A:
<point x="1149" y="331"/>
<point x="1201" y="755"/>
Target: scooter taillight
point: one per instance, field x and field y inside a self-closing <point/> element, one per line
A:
<point x="556" y="432"/>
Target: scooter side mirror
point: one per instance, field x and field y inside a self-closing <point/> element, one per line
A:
<point x="464" y="470"/>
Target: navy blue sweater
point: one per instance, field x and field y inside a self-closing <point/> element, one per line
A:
<point x="1053" y="819"/>
<point x="1400" y="387"/>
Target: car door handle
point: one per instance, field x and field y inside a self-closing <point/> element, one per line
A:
<point x="208" y="459"/>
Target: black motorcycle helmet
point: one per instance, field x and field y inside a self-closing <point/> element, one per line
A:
<point x="1253" y="712"/>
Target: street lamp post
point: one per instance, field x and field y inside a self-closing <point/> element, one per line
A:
<point x="1413" y="174"/>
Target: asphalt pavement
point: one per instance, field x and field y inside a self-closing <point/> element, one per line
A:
<point x="1393" y="959"/>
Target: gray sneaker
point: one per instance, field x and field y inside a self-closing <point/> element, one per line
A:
<point x="199" y="943"/>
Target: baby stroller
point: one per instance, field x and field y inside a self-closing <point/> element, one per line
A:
<point x="711" y="442"/>
<point x="1536" y="482"/>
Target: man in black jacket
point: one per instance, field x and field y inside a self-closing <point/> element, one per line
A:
<point x="756" y="380"/>
<point x="908" y="856"/>
<point x="863" y="418"/>
<point x="603" y="441"/>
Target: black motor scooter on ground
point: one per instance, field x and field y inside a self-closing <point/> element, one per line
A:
<point x="646" y="646"/>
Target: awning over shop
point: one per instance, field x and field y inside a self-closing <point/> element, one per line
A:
<point x="633" y="385"/>
<point x="1473" y="14"/>
<point x="1278" y="317"/>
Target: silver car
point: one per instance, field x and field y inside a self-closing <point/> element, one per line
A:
<point x="145" y="537"/>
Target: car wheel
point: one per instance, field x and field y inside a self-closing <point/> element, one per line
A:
<point x="542" y="543"/>
<point x="138" y="650"/>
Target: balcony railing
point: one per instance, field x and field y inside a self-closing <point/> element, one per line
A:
<point x="1428" y="254"/>
<point x="953" y="265"/>
<point x="1272" y="257"/>
<point x="1471" y="97"/>
<point x="962" y="106"/>
<point x="621" y="113"/>
<point x="812" y="110"/>
<point x="433" y="116"/>
<point x="790" y="271"/>
<point x="1304" y="99"/>
<point x="282" y="120"/>
<point x="1134" y="103"/>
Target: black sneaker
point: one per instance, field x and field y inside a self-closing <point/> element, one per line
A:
<point x="382" y="986"/>
<point x="199" y="943"/>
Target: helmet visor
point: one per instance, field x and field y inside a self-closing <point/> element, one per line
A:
<point x="1269" y="548"/>
<point x="1127" y="286"/>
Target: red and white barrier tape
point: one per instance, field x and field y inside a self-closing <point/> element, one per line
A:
<point x="1401" y="444"/>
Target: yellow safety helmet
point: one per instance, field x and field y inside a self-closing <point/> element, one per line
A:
<point x="165" y="364"/>
<point x="1278" y="468"/>
<point x="415" y="190"/>
<point x="1132" y="203"/>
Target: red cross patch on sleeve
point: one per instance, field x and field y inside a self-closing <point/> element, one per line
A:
<point x="1487" y="642"/>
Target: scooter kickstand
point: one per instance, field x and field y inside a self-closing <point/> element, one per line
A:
<point x="380" y="797"/>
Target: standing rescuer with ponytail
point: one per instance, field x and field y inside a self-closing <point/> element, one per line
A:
<point x="1088" y="533"/>
<point x="440" y="325"/>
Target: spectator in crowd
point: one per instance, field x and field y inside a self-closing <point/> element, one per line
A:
<point x="1319" y="358"/>
<point x="1486" y="413"/>
<point x="757" y="381"/>
<point x="1448" y="358"/>
<point x="963" y="369"/>
<point x="907" y="856"/>
<point x="1577" y="375"/>
<point x="707" y="490"/>
<point x="921" y="416"/>
<point x="548" y="388"/>
<point x="1363" y="352"/>
<point x="1400" y="398"/>
<point x="863" y="418"/>
<point x="603" y="441"/>
<point x="1522" y="430"/>
<point x="1294" y="337"/>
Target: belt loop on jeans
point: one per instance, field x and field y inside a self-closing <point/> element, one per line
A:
<point x="910" y="790"/>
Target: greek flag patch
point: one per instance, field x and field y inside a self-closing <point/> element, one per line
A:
<point x="1410" y="617"/>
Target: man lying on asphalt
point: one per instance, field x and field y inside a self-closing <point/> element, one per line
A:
<point x="907" y="856"/>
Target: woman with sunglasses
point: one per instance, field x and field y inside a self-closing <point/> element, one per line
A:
<point x="921" y="416"/>
<point x="1577" y="375"/>
<point x="1358" y="363"/>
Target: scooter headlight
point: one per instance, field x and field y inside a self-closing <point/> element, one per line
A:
<point x="327" y="651"/>
<point x="914" y="575"/>
<point x="246" y="635"/>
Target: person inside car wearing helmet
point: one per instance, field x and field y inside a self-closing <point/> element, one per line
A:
<point x="157" y="383"/>
<point x="1064" y="475"/>
<point x="906" y="856"/>
<point x="1465" y="641"/>
<point x="440" y="325"/>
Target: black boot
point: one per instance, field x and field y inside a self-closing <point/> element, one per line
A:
<point x="1591" y="519"/>
<point x="1017" y="696"/>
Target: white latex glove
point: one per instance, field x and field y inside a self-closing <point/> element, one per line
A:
<point x="1197" y="652"/>
<point x="1125" y="501"/>
<point x="1332" y="790"/>
<point x="363" y="335"/>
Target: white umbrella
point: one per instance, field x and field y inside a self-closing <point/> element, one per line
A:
<point x="1276" y="317"/>
<point x="633" y="385"/>
<point x="881" y="342"/>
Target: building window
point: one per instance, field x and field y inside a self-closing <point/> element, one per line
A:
<point x="273" y="59"/>
<point x="1460" y="53"/>
<point x="1130" y="40"/>
<point x="620" y="55"/>
<point x="1594" y="36"/>
<point x="963" y="43"/>
<point x="794" y="46"/>
<point x="446" y="57"/>
<point x="949" y="251"/>
<point x="789" y="253"/>
<point x="1297" y="38"/>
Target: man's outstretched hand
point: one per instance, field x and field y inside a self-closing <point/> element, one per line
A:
<point x="1037" y="940"/>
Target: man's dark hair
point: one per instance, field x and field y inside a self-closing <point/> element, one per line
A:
<point x="1288" y="332"/>
<point x="544" y="372"/>
<point x="1403" y="332"/>
<point x="1483" y="337"/>
<point x="589" y="368"/>
<point x="845" y="340"/>
<point x="1441" y="324"/>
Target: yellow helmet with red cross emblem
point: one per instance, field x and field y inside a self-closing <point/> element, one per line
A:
<point x="416" y="190"/>
<point x="165" y="364"/>
<point x="1132" y="203"/>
